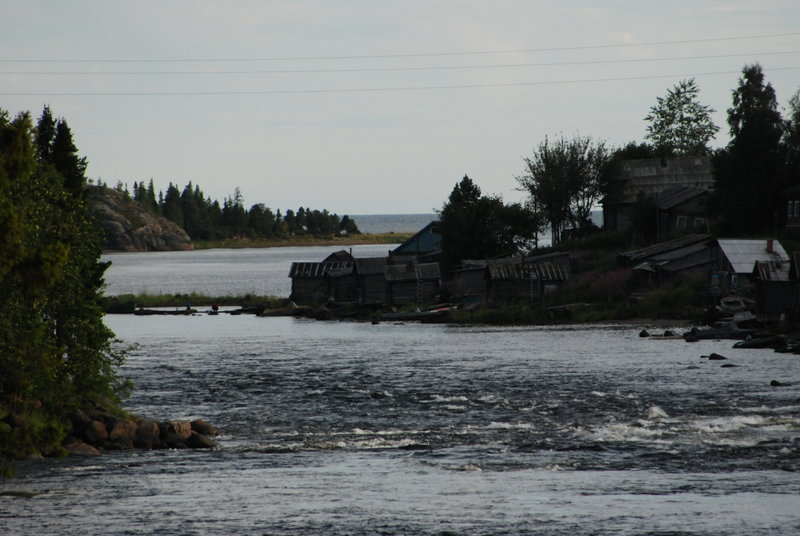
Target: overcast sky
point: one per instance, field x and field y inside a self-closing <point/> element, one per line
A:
<point x="370" y="107"/>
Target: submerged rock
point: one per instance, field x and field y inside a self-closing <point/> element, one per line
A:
<point x="199" y="441"/>
<point x="79" y="448"/>
<point x="202" y="427"/>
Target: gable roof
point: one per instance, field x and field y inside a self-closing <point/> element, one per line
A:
<point x="639" y="255"/>
<point x="426" y="240"/>
<point x="678" y="195"/>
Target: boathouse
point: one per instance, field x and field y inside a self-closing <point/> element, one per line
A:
<point x="412" y="282"/>
<point x="311" y="280"/>
<point x="510" y="278"/>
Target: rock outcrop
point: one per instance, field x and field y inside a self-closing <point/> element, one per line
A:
<point x="130" y="227"/>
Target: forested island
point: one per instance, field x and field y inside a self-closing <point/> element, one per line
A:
<point x="126" y="212"/>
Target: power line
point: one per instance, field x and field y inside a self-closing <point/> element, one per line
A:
<point x="395" y="69"/>
<point x="363" y="90"/>
<point x="404" y="55"/>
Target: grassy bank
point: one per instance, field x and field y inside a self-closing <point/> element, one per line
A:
<point x="300" y="240"/>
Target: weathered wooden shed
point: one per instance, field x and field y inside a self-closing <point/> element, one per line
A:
<point x="523" y="281"/>
<point x="310" y="281"/>
<point x="370" y="281"/>
<point x="510" y="278"/>
<point x="734" y="262"/>
<point x="412" y="283"/>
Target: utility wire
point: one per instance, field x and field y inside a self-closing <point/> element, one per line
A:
<point x="396" y="69"/>
<point x="407" y="55"/>
<point x="362" y="90"/>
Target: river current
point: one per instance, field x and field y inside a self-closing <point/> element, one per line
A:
<point x="354" y="428"/>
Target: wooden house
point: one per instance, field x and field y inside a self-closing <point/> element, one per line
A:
<point x="682" y="210"/>
<point x="638" y="180"/>
<point x="734" y="264"/>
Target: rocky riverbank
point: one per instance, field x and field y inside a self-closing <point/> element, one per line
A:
<point x="96" y="430"/>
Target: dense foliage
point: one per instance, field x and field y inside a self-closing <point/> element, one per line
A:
<point x="475" y="226"/>
<point x="678" y="124"/>
<point x="750" y="172"/>
<point x="55" y="351"/>
<point x="205" y="219"/>
<point x="565" y="179"/>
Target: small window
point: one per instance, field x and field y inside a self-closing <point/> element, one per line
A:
<point x="681" y="222"/>
<point x="790" y="211"/>
<point x="699" y="222"/>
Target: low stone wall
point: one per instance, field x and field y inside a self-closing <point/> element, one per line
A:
<point x="96" y="430"/>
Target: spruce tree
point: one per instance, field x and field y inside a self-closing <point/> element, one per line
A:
<point x="748" y="173"/>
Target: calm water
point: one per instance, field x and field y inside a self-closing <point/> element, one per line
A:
<point x="392" y="223"/>
<point x="353" y="428"/>
<point x="217" y="272"/>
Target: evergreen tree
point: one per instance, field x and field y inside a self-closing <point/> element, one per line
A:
<point x="45" y="132"/>
<point x="791" y="141"/>
<point x="171" y="208"/>
<point x="749" y="172"/>
<point x="348" y="226"/>
<point x="474" y="226"/>
<point x="64" y="156"/>
<point x="150" y="199"/>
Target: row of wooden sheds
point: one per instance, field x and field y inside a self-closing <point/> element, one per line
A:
<point x="401" y="279"/>
<point x="365" y="281"/>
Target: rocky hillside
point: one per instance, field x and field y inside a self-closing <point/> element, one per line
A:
<point x="129" y="227"/>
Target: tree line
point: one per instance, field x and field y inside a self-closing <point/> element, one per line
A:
<point x="565" y="177"/>
<point x="206" y="219"/>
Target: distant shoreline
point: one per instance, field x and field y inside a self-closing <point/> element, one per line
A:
<point x="301" y="241"/>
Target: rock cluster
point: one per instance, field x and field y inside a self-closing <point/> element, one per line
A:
<point x="96" y="430"/>
<point x="128" y="226"/>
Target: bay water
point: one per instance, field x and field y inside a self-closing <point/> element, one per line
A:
<point x="403" y="428"/>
